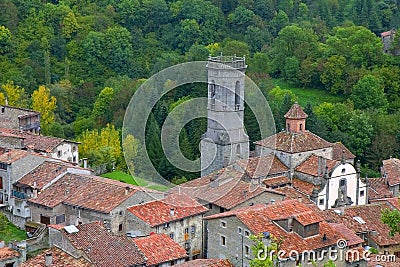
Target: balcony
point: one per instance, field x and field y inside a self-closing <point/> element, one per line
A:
<point x="19" y="195"/>
<point x="30" y="126"/>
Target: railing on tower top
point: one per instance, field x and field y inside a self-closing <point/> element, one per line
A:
<point x="227" y="62"/>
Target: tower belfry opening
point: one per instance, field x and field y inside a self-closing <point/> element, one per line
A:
<point x="225" y="139"/>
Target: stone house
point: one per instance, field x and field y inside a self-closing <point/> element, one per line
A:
<point x="293" y="224"/>
<point x="227" y="189"/>
<point x="77" y="198"/>
<point x="10" y="257"/>
<point x="388" y="38"/>
<point x="19" y="119"/>
<point x="366" y="222"/>
<point x="14" y="164"/>
<point x="94" y="243"/>
<point x="160" y="250"/>
<point x="177" y="215"/>
<point x="36" y="180"/>
<point x="390" y="171"/>
<point x="53" y="147"/>
<point x="295" y="144"/>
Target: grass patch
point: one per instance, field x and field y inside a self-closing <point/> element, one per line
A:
<point x="10" y="232"/>
<point x="309" y="95"/>
<point x="120" y="176"/>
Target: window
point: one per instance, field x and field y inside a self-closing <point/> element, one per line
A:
<point x="45" y="219"/>
<point x="120" y="226"/>
<point x="9" y="264"/>
<point x="240" y="230"/>
<point x="342" y="182"/>
<point x="246" y="233"/>
<point x="59" y="153"/>
<point x="3" y="109"/>
<point x="210" y="206"/>
<point x="166" y="225"/>
<point x="221" y="210"/>
<point x="321" y="201"/>
<point x="246" y="250"/>
<point x="343" y="170"/>
<point x="361" y="193"/>
<point x="171" y="235"/>
<point x="223" y="240"/>
<point x="186" y="235"/>
<point x="301" y="127"/>
<point x="3" y="166"/>
<point x="121" y="212"/>
<point x="60" y="219"/>
<point x="193" y="229"/>
<point x="223" y="224"/>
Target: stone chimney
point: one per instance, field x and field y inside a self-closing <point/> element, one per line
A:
<point x="48" y="259"/>
<point x="172" y="212"/>
<point x="127" y="190"/>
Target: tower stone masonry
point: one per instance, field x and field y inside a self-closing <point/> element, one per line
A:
<point x="225" y="139"/>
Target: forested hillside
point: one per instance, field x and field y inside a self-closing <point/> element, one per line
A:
<point x="87" y="58"/>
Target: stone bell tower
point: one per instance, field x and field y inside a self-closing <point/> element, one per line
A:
<point x="226" y="139"/>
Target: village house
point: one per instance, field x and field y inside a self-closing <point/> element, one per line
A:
<point x="378" y="188"/>
<point x="20" y="119"/>
<point x="10" y="257"/>
<point x="388" y="38"/>
<point x="390" y="171"/>
<point x="14" y="164"/>
<point x="77" y="198"/>
<point x="366" y="222"/>
<point x="36" y="180"/>
<point x="160" y="250"/>
<point x="94" y="243"/>
<point x="177" y="215"/>
<point x="293" y="224"/>
<point x="55" y="257"/>
<point x="53" y="147"/>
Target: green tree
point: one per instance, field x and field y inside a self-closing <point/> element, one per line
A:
<point x="14" y="94"/>
<point x="101" y="108"/>
<point x="391" y="218"/>
<point x="334" y="74"/>
<point x="5" y="40"/>
<point x="261" y="251"/>
<point x="130" y="146"/>
<point x="368" y="93"/>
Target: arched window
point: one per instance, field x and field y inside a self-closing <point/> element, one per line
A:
<point x="301" y="127"/>
<point x="288" y="127"/>
<point x="238" y="152"/>
<point x="237" y="95"/>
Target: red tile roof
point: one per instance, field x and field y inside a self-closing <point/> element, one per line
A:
<point x="60" y="259"/>
<point x="394" y="202"/>
<point x="223" y="188"/>
<point x="207" y="263"/>
<point x="391" y="168"/>
<point x="388" y="33"/>
<point x="8" y="253"/>
<point x="294" y="142"/>
<point x="100" y="194"/>
<point x="159" y="248"/>
<point x="293" y="193"/>
<point x="310" y="165"/>
<point x="337" y="152"/>
<point x="351" y="237"/>
<point x="371" y="215"/>
<point x="378" y="188"/>
<point x="159" y="212"/>
<point x="262" y="166"/>
<point x="276" y="181"/>
<point x="103" y="248"/>
<point x="43" y="174"/>
<point x="260" y="219"/>
<point x="304" y="186"/>
<point x="10" y="156"/>
<point x="296" y="112"/>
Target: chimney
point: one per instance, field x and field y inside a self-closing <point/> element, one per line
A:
<point x="127" y="190"/>
<point x="49" y="259"/>
<point x="300" y="199"/>
<point x="85" y="163"/>
<point x="34" y="193"/>
<point x="172" y="212"/>
<point x="342" y="210"/>
<point x="9" y="155"/>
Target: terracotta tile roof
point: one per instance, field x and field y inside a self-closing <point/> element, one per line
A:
<point x="207" y="263"/>
<point x="260" y="219"/>
<point x="10" y="156"/>
<point x="304" y="186"/>
<point x="378" y="188"/>
<point x="276" y="181"/>
<point x="388" y="33"/>
<point x="293" y="193"/>
<point x="159" y="248"/>
<point x="371" y="215"/>
<point x="262" y="166"/>
<point x="296" y="112"/>
<point x="103" y="248"/>
<point x="394" y="202"/>
<point x="8" y="253"/>
<point x="60" y="259"/>
<point x="223" y="188"/>
<point x="310" y="165"/>
<point x="35" y="141"/>
<point x="391" y="169"/>
<point x="43" y="174"/>
<point x="100" y="194"/>
<point x="159" y="212"/>
<point x="337" y="152"/>
<point x="294" y="142"/>
<point x="351" y="237"/>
